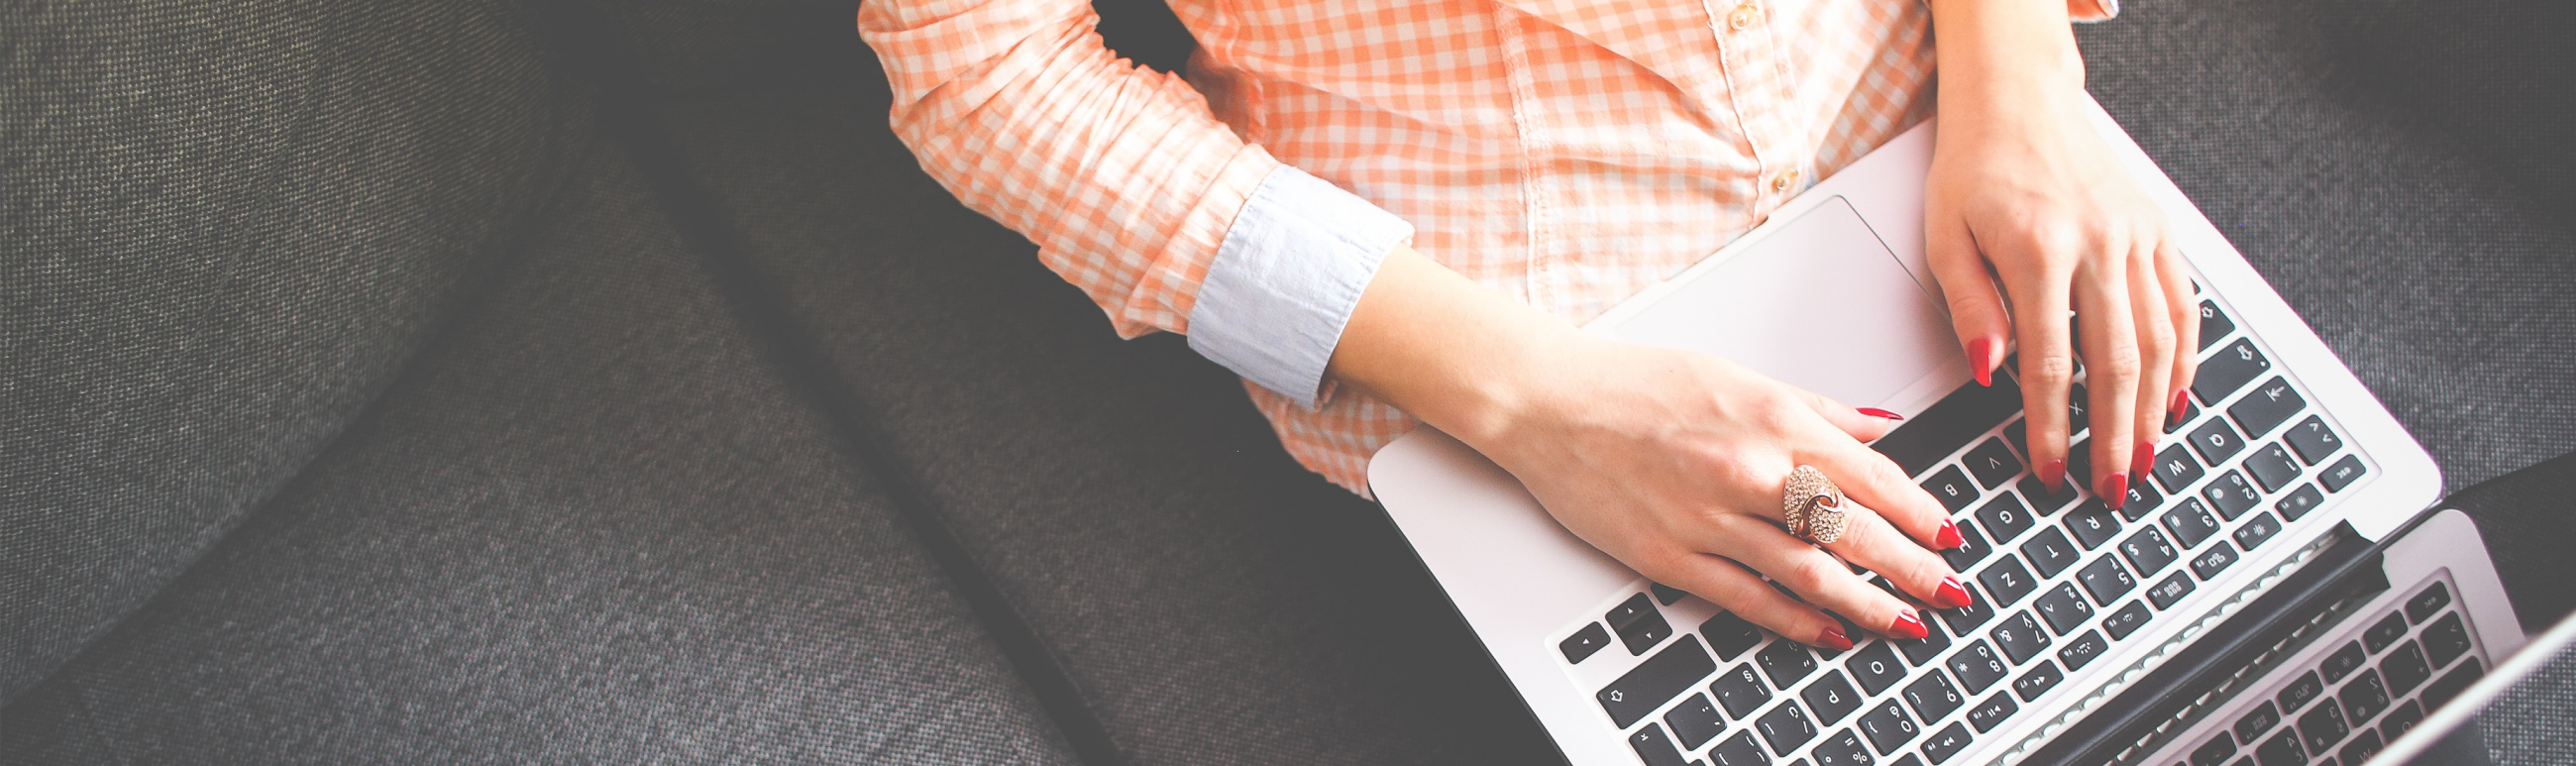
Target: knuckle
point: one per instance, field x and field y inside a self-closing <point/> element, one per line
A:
<point x="1811" y="575"/>
<point x="2121" y="360"/>
<point x="2051" y="371"/>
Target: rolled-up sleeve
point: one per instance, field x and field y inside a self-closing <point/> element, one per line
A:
<point x="1130" y="186"/>
<point x="1286" y="279"/>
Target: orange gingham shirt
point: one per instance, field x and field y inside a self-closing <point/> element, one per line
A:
<point x="1565" y="153"/>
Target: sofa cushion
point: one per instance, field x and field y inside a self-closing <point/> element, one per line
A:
<point x="598" y="524"/>
<point x="224" y="227"/>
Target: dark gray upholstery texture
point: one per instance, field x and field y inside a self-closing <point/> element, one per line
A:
<point x="2389" y="212"/>
<point x="1210" y="601"/>
<point x="595" y="526"/>
<point x="223" y="228"/>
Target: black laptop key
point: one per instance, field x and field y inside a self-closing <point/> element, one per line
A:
<point x="2214" y="325"/>
<point x="2300" y="692"/>
<point x="2080" y="652"/>
<point x="2148" y="552"/>
<point x="2092" y="525"/>
<point x="2191" y="523"/>
<point x="2063" y="609"/>
<point x="1964" y="619"/>
<point x="1786" y="662"/>
<point x="2450" y="685"/>
<point x="2232" y="495"/>
<point x="1875" y="668"/>
<point x="2404" y="668"/>
<point x="2255" y="723"/>
<point x="1946" y="744"/>
<point x="2364" y="698"/>
<point x="2281" y="750"/>
<point x="1972" y="548"/>
<point x="2038" y="681"/>
<point x="1729" y="635"/>
<point x="2446" y="640"/>
<point x="1831" y="697"/>
<point x="2105" y="581"/>
<point x="2261" y="528"/>
<point x="2427" y="602"/>
<point x="2216" y="441"/>
<point x="1991" y="713"/>
<point x="2362" y="748"/>
<point x="1992" y="463"/>
<point x="1951" y="487"/>
<point x="1739" y="692"/>
<point x="1887" y="727"/>
<point x="1695" y="721"/>
<point x="1656" y="681"/>
<point x="2007" y="581"/>
<point x="1653" y="748"/>
<point x="2020" y="637"/>
<point x="2267" y="407"/>
<point x="2342" y="474"/>
<point x="2050" y="553"/>
<point x="2079" y="462"/>
<point x="2207" y="564"/>
<point x="1932" y="696"/>
<point x="1786" y="727"/>
<point x="2125" y="620"/>
<point x="2170" y="592"/>
<point x="1739" y="750"/>
<point x="2229" y="369"/>
<point x="2385" y="633"/>
<point x="1665" y="594"/>
<point x="1842" y="749"/>
<point x="2313" y="440"/>
<point x="2005" y="517"/>
<point x="2041" y="499"/>
<point x="2214" y="752"/>
<point x="2299" y="502"/>
<point x="1978" y="667"/>
<point x="1921" y="651"/>
<point x="2143" y="501"/>
<point x="1639" y="624"/>
<point x="2323" y="726"/>
<point x="2190" y="412"/>
<point x="2177" y="470"/>
<point x="1583" y="643"/>
<point x="2272" y="467"/>
<point x="2401" y="721"/>
<point x="1949" y="424"/>
<point x="2342" y="662"/>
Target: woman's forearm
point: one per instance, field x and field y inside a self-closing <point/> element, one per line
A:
<point x="1997" y="56"/>
<point x="1442" y="348"/>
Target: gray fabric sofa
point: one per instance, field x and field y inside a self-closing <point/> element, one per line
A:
<point x="483" y="381"/>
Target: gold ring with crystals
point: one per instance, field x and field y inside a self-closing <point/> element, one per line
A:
<point x="1812" y="506"/>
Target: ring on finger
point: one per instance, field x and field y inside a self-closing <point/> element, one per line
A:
<point x="1812" y="506"/>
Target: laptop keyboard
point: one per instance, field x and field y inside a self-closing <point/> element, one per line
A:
<point x="2058" y="581"/>
<point x="2349" y="703"/>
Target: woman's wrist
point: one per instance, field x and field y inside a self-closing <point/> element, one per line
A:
<point x="1448" y="351"/>
<point x="1998" y="58"/>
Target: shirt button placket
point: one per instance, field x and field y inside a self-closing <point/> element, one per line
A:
<point x="1744" y="17"/>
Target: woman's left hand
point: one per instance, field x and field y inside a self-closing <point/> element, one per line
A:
<point x="2027" y="193"/>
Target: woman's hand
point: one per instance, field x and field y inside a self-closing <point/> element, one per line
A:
<point x="2026" y="192"/>
<point x="1672" y="462"/>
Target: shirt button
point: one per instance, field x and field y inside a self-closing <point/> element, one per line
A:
<point x="1744" y="16"/>
<point x="1783" y="181"/>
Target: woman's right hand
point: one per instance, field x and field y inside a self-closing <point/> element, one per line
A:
<point x="1672" y="462"/>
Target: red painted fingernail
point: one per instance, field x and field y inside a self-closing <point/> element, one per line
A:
<point x="1907" y="626"/>
<point x="2144" y="459"/>
<point x="1835" y="640"/>
<point x="1981" y="359"/>
<point x="2114" y="490"/>
<point x="1949" y="537"/>
<point x="1951" y="595"/>
<point x="1879" y="413"/>
<point x="2053" y="474"/>
<point x="2181" y="403"/>
<point x="2173" y="417"/>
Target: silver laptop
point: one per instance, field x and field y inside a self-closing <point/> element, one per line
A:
<point x="2096" y="636"/>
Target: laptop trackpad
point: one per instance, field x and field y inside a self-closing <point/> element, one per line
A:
<point x="1821" y="304"/>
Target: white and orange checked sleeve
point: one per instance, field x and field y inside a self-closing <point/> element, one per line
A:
<point x="1131" y="188"/>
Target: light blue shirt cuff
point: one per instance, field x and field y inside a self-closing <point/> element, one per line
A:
<point x="1286" y="279"/>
